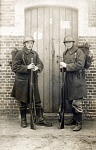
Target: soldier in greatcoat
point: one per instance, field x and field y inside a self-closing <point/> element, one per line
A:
<point x="75" y="85"/>
<point x="22" y="65"/>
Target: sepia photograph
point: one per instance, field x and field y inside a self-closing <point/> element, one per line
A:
<point x="47" y="74"/>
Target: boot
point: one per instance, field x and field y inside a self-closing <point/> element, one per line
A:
<point x="40" y="120"/>
<point x="73" y="120"/>
<point x="23" y="118"/>
<point x="78" y="126"/>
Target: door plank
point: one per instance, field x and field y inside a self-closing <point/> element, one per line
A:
<point x="75" y="26"/>
<point x="56" y="51"/>
<point x="68" y="19"/>
<point x="40" y="39"/>
<point x="34" y="27"/>
<point x="46" y="59"/>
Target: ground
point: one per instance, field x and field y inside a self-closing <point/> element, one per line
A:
<point x="13" y="137"/>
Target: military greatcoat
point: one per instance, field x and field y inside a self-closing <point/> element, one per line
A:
<point x="21" y="86"/>
<point x="75" y="85"/>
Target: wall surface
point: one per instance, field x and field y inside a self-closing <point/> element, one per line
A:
<point x="12" y="31"/>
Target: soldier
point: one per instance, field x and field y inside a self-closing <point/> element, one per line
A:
<point x="75" y="85"/>
<point x="22" y="65"/>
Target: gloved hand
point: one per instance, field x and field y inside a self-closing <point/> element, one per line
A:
<point x="32" y="66"/>
<point x="35" y="68"/>
<point x="62" y="65"/>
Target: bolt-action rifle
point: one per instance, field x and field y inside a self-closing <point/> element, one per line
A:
<point x="62" y="101"/>
<point x="32" y="102"/>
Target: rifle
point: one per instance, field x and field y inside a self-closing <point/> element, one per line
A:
<point x="62" y="102"/>
<point x="32" y="102"/>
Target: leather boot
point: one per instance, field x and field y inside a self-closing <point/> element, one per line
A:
<point x="73" y="120"/>
<point x="78" y="126"/>
<point x="23" y="118"/>
<point x="40" y="120"/>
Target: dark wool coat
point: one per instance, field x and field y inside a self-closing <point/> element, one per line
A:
<point x="75" y="85"/>
<point x="22" y="80"/>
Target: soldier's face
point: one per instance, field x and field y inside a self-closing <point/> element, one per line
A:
<point x="29" y="45"/>
<point x="68" y="45"/>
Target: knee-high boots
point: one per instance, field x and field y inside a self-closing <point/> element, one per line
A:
<point x="73" y="120"/>
<point x="23" y="118"/>
<point x="78" y="126"/>
<point x="39" y="118"/>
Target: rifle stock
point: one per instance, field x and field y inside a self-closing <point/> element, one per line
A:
<point x="62" y="103"/>
<point x="32" y="102"/>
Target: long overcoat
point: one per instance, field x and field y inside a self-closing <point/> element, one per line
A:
<point x="22" y="79"/>
<point x="75" y="84"/>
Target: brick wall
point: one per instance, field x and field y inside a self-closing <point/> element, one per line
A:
<point x="89" y="103"/>
<point x="8" y="105"/>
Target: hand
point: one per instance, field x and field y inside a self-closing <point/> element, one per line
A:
<point x="62" y="65"/>
<point x="31" y="66"/>
<point x="35" y="69"/>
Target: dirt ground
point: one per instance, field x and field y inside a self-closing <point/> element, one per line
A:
<point x="13" y="137"/>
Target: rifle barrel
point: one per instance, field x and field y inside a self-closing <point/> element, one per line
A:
<point x="32" y="109"/>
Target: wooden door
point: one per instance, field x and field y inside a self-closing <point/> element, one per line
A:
<point x="49" y="26"/>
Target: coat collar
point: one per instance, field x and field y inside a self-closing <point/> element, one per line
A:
<point x="26" y="51"/>
<point x="72" y="50"/>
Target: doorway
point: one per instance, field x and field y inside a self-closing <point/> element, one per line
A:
<point x="49" y="26"/>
